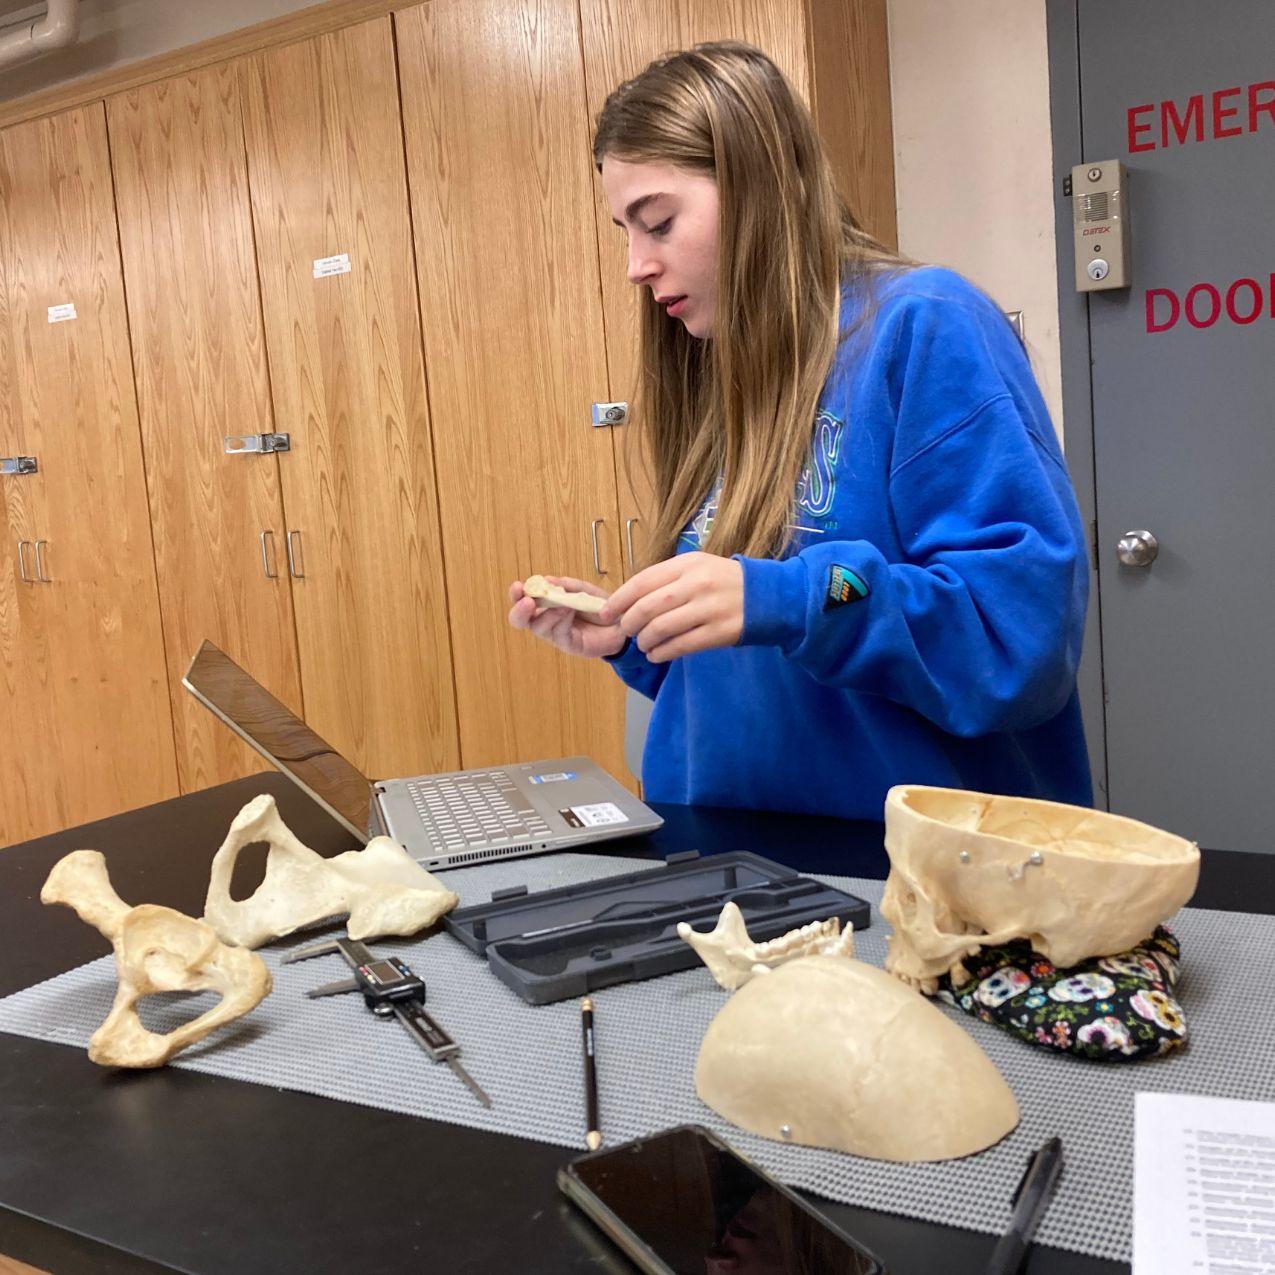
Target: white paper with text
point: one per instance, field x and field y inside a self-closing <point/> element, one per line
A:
<point x="1204" y="1186"/>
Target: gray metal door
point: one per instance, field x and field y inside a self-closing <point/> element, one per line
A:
<point x="1183" y="383"/>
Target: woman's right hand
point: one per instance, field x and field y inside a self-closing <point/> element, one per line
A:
<point x="576" y="632"/>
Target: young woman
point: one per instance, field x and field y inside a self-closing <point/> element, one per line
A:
<point x="868" y="564"/>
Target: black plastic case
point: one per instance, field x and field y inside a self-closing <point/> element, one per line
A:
<point x="561" y="943"/>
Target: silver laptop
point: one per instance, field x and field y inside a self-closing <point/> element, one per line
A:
<point x="443" y="821"/>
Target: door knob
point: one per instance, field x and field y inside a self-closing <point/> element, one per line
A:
<point x="1137" y="549"/>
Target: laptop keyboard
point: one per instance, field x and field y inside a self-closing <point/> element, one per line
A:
<point x="476" y="809"/>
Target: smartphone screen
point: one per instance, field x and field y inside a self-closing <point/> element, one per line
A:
<point x="700" y="1209"/>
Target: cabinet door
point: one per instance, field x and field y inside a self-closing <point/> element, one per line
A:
<point x="779" y="28"/>
<point x="498" y="154"/>
<point x="835" y="54"/>
<point x="200" y="364"/>
<point x="100" y="684"/>
<point x="620" y="38"/>
<point x="29" y="796"/>
<point x="28" y="800"/>
<point x="334" y="245"/>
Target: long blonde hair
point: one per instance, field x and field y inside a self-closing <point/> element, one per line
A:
<point x="740" y="405"/>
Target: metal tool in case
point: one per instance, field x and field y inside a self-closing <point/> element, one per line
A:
<point x="391" y="989"/>
<point x="575" y="939"/>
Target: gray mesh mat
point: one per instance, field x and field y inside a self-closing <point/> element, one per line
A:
<point x="528" y="1060"/>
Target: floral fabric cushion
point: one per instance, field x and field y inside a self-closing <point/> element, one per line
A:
<point x="1112" y="1008"/>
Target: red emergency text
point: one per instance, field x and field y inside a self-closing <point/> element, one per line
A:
<point x="1212" y="116"/>
<point x="1204" y="304"/>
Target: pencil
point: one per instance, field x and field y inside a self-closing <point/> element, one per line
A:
<point x="593" y="1136"/>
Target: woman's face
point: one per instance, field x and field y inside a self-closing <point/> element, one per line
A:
<point x="670" y="217"/>
<point x="750" y="1244"/>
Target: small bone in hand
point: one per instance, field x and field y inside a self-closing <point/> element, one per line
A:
<point x="554" y="595"/>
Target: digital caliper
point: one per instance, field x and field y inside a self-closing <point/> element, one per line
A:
<point x="390" y="989"/>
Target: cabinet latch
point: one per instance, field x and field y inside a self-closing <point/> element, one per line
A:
<point x="235" y="443"/>
<point x="610" y="413"/>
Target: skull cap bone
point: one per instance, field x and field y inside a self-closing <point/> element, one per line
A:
<point x="157" y="949"/>
<point x="846" y="1057"/>
<point x="381" y="888"/>
<point x="970" y="869"/>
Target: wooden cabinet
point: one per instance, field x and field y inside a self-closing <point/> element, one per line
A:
<point x="29" y="802"/>
<point x="388" y="243"/>
<point x="497" y="134"/>
<point x="89" y="730"/>
<point x="318" y="568"/>
<point x="326" y="171"/>
<point x="199" y="361"/>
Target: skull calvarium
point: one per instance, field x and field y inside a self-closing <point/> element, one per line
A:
<point x="970" y="870"/>
<point x="832" y="1052"/>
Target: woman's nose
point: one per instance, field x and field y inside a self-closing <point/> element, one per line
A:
<point x="642" y="269"/>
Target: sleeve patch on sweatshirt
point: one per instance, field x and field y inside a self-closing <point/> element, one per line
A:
<point x="844" y="586"/>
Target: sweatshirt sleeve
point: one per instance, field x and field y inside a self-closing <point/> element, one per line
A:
<point x="636" y="671"/>
<point x="978" y="627"/>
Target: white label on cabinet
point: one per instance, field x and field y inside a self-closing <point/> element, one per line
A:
<point x="324" y="266"/>
<point x="60" y="313"/>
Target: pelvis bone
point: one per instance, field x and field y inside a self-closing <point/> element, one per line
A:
<point x="733" y="958"/>
<point x="969" y="870"/>
<point x="381" y="887"/>
<point x="836" y="1053"/>
<point x="156" y="950"/>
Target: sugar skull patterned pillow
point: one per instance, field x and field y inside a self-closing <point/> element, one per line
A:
<point x="1112" y="1008"/>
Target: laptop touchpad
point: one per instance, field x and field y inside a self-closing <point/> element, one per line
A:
<point x="578" y="803"/>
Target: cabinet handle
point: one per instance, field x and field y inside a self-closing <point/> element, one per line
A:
<point x="629" y="524"/>
<point x="22" y="562"/>
<point x="597" y="558"/>
<point x="295" y="564"/>
<point x="39" y="563"/>
<point x="266" y="556"/>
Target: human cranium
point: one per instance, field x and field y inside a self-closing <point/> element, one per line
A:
<point x="970" y="870"/>
<point x="831" y="1052"/>
<point x="383" y="890"/>
<point x="156" y="950"/>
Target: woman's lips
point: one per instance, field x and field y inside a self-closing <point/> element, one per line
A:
<point x="675" y="307"/>
<point x="719" y="1263"/>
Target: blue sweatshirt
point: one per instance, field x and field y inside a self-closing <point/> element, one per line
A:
<point x="924" y="624"/>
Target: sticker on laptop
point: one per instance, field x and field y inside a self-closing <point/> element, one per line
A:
<point x="553" y="778"/>
<point x="597" y="815"/>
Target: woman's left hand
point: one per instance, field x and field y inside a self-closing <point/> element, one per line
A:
<point x="689" y="603"/>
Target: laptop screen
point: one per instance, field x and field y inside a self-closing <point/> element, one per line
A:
<point x="280" y="736"/>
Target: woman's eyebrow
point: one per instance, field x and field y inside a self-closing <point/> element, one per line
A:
<point x="637" y="205"/>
